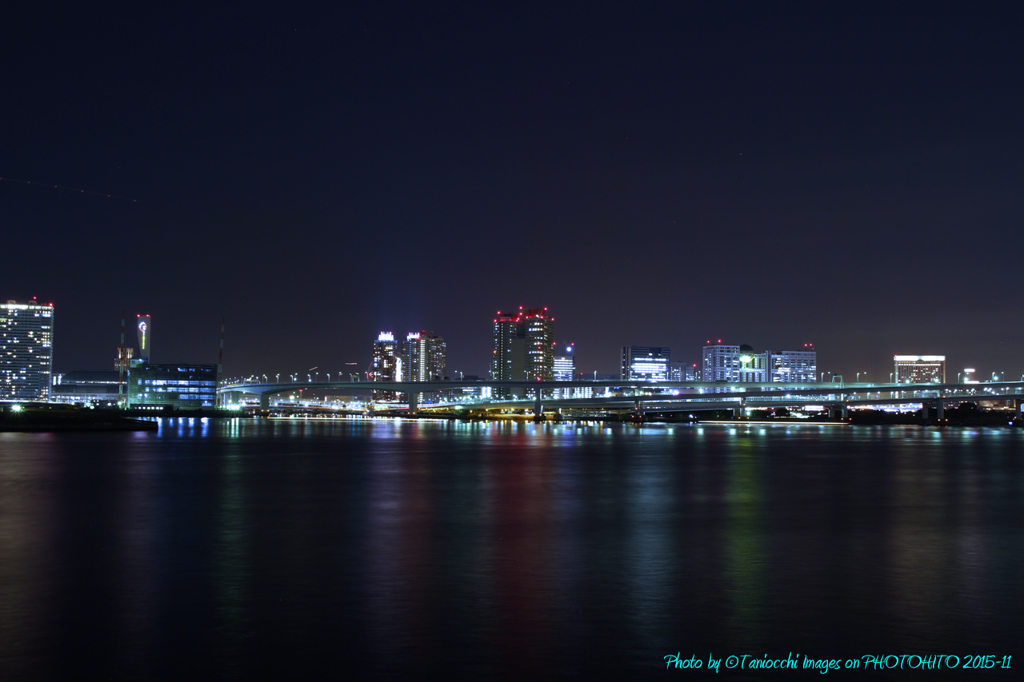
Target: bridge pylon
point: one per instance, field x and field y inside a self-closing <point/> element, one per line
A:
<point x="637" y="416"/>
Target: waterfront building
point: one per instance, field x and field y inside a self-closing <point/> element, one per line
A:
<point x="645" y="363"/>
<point x="682" y="371"/>
<point x="721" y="362"/>
<point x="180" y="386"/>
<point x="425" y="357"/>
<point x="920" y="369"/>
<point x="26" y="350"/>
<point x="793" y="366"/>
<point x="564" y="368"/>
<point x="98" y="388"/>
<point x="675" y="371"/>
<point x="741" y="364"/>
<point x="386" y="364"/>
<point x="523" y="348"/>
<point x="564" y="362"/>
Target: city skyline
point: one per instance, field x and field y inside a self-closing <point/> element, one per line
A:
<point x="847" y="176"/>
<point x="407" y="354"/>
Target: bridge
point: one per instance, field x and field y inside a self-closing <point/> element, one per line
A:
<point x="640" y="397"/>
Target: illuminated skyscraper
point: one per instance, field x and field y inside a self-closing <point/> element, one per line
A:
<point x="26" y="350"/>
<point x="387" y="364"/>
<point x="425" y="356"/>
<point x="523" y="348"/>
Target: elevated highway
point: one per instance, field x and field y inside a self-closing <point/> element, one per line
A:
<point x="643" y="396"/>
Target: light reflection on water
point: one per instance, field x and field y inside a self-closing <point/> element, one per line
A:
<point x="389" y="548"/>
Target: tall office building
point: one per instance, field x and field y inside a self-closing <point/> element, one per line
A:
<point x="645" y="363"/>
<point x="386" y="365"/>
<point x="682" y="371"/>
<point x="564" y="362"/>
<point x="723" y="362"/>
<point x="920" y="369"/>
<point x="523" y="348"/>
<point x="26" y="350"/>
<point x="741" y="364"/>
<point x="425" y="356"/>
<point x="793" y="366"/>
<point x="564" y="368"/>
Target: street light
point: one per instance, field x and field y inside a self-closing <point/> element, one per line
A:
<point x="277" y="380"/>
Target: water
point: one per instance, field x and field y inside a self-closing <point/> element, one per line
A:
<point x="380" y="549"/>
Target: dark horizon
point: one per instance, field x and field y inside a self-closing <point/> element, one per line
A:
<point x="848" y="176"/>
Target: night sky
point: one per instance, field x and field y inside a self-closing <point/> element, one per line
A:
<point x="847" y="174"/>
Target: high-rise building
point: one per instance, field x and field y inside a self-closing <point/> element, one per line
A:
<point x="387" y="364"/>
<point x="564" y="368"/>
<point x="720" y="363"/>
<point x="793" y="366"/>
<point x="564" y="362"/>
<point x="425" y="356"/>
<point x="523" y="348"/>
<point x="742" y="365"/>
<point x="723" y="362"/>
<point x="920" y="369"/>
<point x="26" y="350"/>
<point x="682" y="371"/>
<point x="645" y="363"/>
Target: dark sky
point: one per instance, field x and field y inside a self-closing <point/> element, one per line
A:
<point x="847" y="174"/>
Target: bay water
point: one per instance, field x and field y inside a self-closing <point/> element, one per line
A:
<point x="403" y="549"/>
